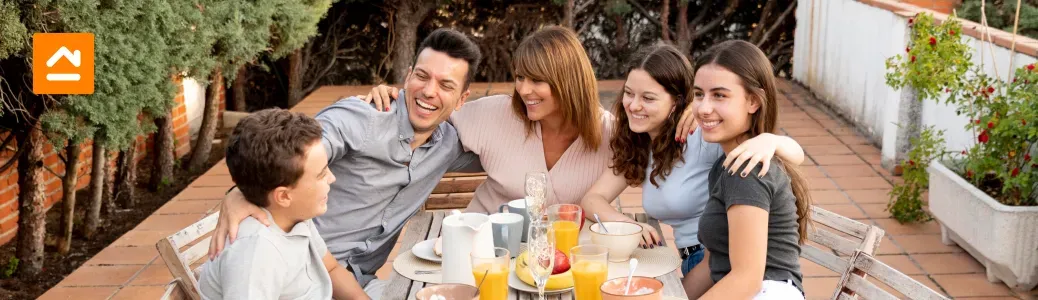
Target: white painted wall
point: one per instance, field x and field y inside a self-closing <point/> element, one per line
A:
<point x="840" y="53"/>
<point x="194" y="102"/>
<point x="840" y="49"/>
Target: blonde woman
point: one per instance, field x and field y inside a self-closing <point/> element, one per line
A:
<point x="552" y="123"/>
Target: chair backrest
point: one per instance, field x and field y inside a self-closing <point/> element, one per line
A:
<point x="174" y="291"/>
<point x="184" y="248"/>
<point x="865" y="238"/>
<point x="877" y="270"/>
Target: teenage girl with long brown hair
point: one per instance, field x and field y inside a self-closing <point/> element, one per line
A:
<point x="752" y="226"/>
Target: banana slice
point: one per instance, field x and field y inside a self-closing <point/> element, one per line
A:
<point x="438" y="247"/>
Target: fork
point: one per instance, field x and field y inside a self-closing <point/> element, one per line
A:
<point x="426" y="272"/>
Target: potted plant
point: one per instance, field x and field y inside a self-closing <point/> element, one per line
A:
<point x="985" y="196"/>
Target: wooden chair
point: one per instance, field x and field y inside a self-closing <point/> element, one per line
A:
<point x="870" y="266"/>
<point x="174" y="291"/>
<point x="866" y="238"/>
<point x="182" y="250"/>
<point x="454" y="191"/>
<point x="825" y="231"/>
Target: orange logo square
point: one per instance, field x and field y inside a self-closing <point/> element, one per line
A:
<point x="63" y="63"/>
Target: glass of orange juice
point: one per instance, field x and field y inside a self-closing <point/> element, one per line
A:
<point x="565" y="220"/>
<point x="491" y="275"/>
<point x="590" y="266"/>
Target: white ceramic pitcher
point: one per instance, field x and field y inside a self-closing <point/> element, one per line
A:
<point x="465" y="234"/>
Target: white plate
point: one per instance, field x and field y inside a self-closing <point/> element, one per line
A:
<point x="424" y="250"/>
<point x="516" y="283"/>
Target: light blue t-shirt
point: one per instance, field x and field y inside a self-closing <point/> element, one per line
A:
<point x="682" y="195"/>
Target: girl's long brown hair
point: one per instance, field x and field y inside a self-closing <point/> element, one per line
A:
<point x="672" y="70"/>
<point x="554" y="54"/>
<point x="755" y="71"/>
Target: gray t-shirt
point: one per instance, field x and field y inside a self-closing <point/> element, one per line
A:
<point x="772" y="193"/>
<point x="269" y="263"/>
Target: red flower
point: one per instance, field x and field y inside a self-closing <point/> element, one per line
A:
<point x="913" y="58"/>
<point x="983" y="137"/>
<point x="1030" y="67"/>
<point x="908" y="49"/>
<point x="978" y="121"/>
<point x="1034" y="165"/>
<point x="991" y="89"/>
<point x="969" y="174"/>
<point x="1016" y="171"/>
<point x="952" y="32"/>
<point x="991" y="125"/>
<point x="1014" y="80"/>
<point x="1027" y="157"/>
<point x="911" y="163"/>
<point x="963" y="152"/>
<point x="933" y="41"/>
<point x="911" y="20"/>
<point x="1024" y="122"/>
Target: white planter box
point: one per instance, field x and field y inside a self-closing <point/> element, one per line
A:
<point x="1003" y="238"/>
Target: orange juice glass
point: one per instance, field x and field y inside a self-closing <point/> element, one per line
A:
<point x="491" y="275"/>
<point x="565" y="220"/>
<point x="590" y="269"/>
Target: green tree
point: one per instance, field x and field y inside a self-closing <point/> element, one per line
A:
<point x="1002" y="15"/>
<point x="239" y="40"/>
<point x="275" y="27"/>
<point x="131" y="82"/>
<point x="295" y="24"/>
<point x="71" y="131"/>
<point x="190" y="45"/>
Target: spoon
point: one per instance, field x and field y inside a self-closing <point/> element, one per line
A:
<point x="634" y="264"/>
<point x="481" y="282"/>
<point x="600" y="224"/>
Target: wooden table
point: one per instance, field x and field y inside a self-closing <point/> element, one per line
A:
<point x="426" y="225"/>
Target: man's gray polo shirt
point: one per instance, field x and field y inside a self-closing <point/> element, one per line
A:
<point x="380" y="182"/>
<point x="268" y="263"/>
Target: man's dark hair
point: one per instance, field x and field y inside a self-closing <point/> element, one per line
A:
<point x="267" y="150"/>
<point x="456" y="45"/>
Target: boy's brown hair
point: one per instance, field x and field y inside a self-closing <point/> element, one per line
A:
<point x="268" y="150"/>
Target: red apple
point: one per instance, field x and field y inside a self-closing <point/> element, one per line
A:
<point x="570" y="209"/>
<point x="561" y="262"/>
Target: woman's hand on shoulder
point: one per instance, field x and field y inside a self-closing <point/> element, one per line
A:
<point x="382" y="95"/>
<point x="758" y="150"/>
<point x="686" y="125"/>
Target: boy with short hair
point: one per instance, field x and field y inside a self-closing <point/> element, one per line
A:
<point x="278" y="162"/>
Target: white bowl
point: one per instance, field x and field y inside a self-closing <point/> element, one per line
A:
<point x="621" y="240"/>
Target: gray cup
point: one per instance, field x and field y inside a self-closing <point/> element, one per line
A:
<point x="508" y="230"/>
<point x="518" y="207"/>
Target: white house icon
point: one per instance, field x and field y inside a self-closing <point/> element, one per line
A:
<point x="73" y="57"/>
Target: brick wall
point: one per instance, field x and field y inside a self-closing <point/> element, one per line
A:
<point x="52" y="190"/>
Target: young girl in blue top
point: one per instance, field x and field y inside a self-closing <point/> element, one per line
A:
<point x="673" y="175"/>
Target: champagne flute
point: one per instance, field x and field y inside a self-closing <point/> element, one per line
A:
<point x="541" y="247"/>
<point x="536" y="194"/>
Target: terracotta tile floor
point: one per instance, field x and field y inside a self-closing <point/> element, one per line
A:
<point x="842" y="168"/>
